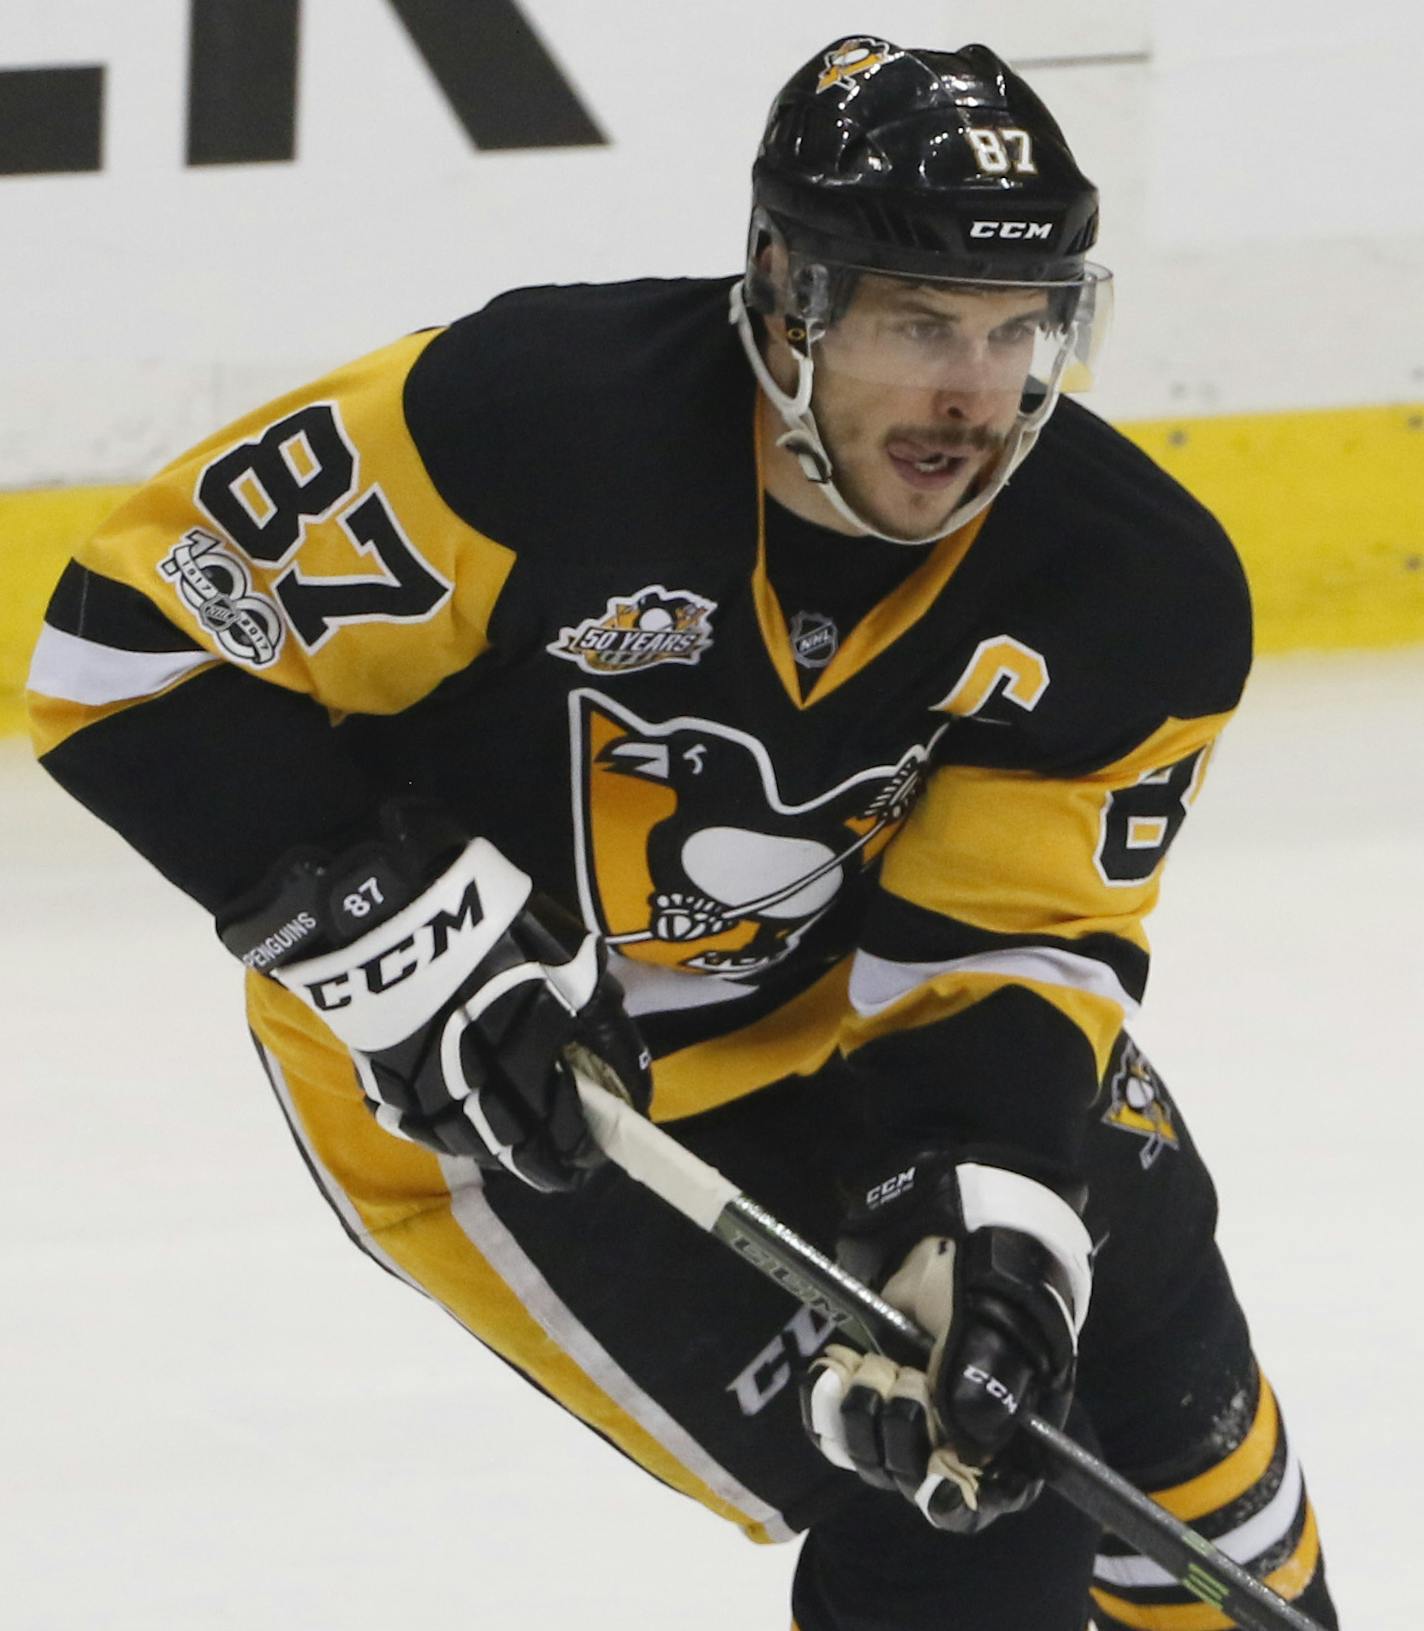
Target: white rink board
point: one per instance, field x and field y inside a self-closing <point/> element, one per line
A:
<point x="1256" y="158"/>
<point x="216" y="1414"/>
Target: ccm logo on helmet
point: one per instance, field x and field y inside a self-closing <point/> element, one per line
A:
<point x="397" y="962"/>
<point x="1011" y="229"/>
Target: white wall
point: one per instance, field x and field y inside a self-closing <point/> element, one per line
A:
<point x="1258" y="160"/>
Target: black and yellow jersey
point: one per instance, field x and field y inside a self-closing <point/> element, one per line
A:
<point x="519" y="564"/>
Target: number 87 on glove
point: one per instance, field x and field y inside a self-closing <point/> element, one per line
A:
<point x="462" y="995"/>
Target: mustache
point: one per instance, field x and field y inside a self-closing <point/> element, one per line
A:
<point x="948" y="439"/>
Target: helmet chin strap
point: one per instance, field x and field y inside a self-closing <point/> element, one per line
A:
<point x="802" y="437"/>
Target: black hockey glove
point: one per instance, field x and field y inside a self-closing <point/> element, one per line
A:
<point x="461" y="995"/>
<point x="995" y="1266"/>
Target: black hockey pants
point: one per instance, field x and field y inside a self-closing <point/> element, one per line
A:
<point x="684" y="1357"/>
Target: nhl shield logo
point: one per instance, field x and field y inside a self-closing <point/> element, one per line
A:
<point x="653" y="625"/>
<point x="813" y="639"/>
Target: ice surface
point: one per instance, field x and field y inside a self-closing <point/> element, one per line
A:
<point x="214" y="1413"/>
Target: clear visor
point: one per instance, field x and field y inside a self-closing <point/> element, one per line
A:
<point x="1022" y="339"/>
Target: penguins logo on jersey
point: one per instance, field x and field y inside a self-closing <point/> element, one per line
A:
<point x="1139" y="1104"/>
<point x="849" y="58"/>
<point x="215" y="587"/>
<point x="689" y="856"/>
<point x="652" y="625"/>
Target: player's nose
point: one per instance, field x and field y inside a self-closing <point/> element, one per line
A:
<point x="965" y="406"/>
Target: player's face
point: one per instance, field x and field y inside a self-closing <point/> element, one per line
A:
<point x="916" y="390"/>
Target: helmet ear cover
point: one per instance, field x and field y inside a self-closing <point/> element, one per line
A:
<point x="814" y="291"/>
<point x="811" y="295"/>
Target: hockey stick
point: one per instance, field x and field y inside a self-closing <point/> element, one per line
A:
<point x="714" y="1203"/>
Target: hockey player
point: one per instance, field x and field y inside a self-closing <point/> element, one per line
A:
<point x="671" y="677"/>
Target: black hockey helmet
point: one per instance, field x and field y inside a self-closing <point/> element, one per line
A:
<point x="937" y="168"/>
<point x="937" y="163"/>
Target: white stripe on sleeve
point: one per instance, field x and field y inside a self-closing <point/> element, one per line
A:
<point x="77" y="670"/>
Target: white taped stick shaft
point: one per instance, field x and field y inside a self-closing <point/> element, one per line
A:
<point x="658" y="1162"/>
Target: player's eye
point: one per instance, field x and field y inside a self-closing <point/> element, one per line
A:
<point x="922" y="330"/>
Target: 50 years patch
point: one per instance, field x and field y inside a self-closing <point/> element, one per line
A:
<point x="653" y="625"/>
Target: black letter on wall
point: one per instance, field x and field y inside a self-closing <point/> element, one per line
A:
<point x="50" y="120"/>
<point x="242" y="81"/>
<point x="504" y="86"/>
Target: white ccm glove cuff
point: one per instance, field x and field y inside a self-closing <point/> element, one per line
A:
<point x="994" y="1197"/>
<point x="383" y="987"/>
